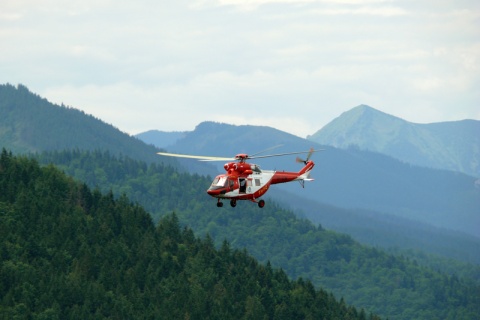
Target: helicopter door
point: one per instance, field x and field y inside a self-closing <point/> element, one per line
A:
<point x="231" y="184"/>
<point x="243" y="185"/>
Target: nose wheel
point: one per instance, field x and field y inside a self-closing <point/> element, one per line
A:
<point x="219" y="203"/>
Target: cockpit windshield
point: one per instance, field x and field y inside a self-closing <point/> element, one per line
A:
<point x="219" y="182"/>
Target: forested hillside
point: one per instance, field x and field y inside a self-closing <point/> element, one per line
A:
<point x="29" y="123"/>
<point x="68" y="252"/>
<point x="389" y="285"/>
<point x="347" y="179"/>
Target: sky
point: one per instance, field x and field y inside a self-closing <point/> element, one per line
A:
<point x="293" y="65"/>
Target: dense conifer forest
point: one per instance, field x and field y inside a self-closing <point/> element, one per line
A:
<point x="390" y="285"/>
<point x="70" y="252"/>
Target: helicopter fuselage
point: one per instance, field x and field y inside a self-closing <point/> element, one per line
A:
<point x="245" y="181"/>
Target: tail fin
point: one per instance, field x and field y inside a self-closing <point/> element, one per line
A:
<point x="304" y="174"/>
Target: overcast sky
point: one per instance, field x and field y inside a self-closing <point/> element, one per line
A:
<point x="293" y="65"/>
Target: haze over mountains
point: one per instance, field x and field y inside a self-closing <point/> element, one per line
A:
<point x="453" y="145"/>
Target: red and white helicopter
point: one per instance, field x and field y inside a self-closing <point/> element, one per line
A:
<point x="246" y="181"/>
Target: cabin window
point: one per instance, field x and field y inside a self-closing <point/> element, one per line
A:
<point x="257" y="182"/>
<point x="256" y="168"/>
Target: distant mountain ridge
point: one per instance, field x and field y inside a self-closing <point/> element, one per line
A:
<point x="160" y="139"/>
<point x="451" y="145"/>
<point x="349" y="178"/>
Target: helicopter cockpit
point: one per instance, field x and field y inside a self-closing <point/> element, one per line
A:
<point x="222" y="183"/>
<point x="219" y="182"/>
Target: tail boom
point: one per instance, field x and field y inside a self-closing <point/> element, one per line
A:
<point x="302" y="175"/>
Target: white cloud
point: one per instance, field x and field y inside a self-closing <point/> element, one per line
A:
<point x="386" y="11"/>
<point x="147" y="64"/>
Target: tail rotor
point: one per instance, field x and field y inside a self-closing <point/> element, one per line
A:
<point x="300" y="160"/>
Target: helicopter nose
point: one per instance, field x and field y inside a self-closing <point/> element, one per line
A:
<point x="213" y="192"/>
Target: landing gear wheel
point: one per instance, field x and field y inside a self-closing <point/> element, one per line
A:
<point x="219" y="204"/>
<point x="233" y="203"/>
<point x="261" y="203"/>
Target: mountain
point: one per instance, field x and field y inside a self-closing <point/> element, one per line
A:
<point x="350" y="178"/>
<point x="160" y="139"/>
<point x="30" y="123"/>
<point x="446" y="145"/>
<point x="68" y="252"/>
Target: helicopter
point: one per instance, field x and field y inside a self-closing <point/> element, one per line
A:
<point x="246" y="181"/>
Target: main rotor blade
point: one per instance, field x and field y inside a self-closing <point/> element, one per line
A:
<point x="285" y="154"/>
<point x="189" y="156"/>
<point x="268" y="149"/>
<point x="211" y="158"/>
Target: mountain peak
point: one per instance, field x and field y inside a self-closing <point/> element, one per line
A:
<point x="364" y="113"/>
<point x="353" y="127"/>
<point x="451" y="146"/>
<point x="362" y="108"/>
